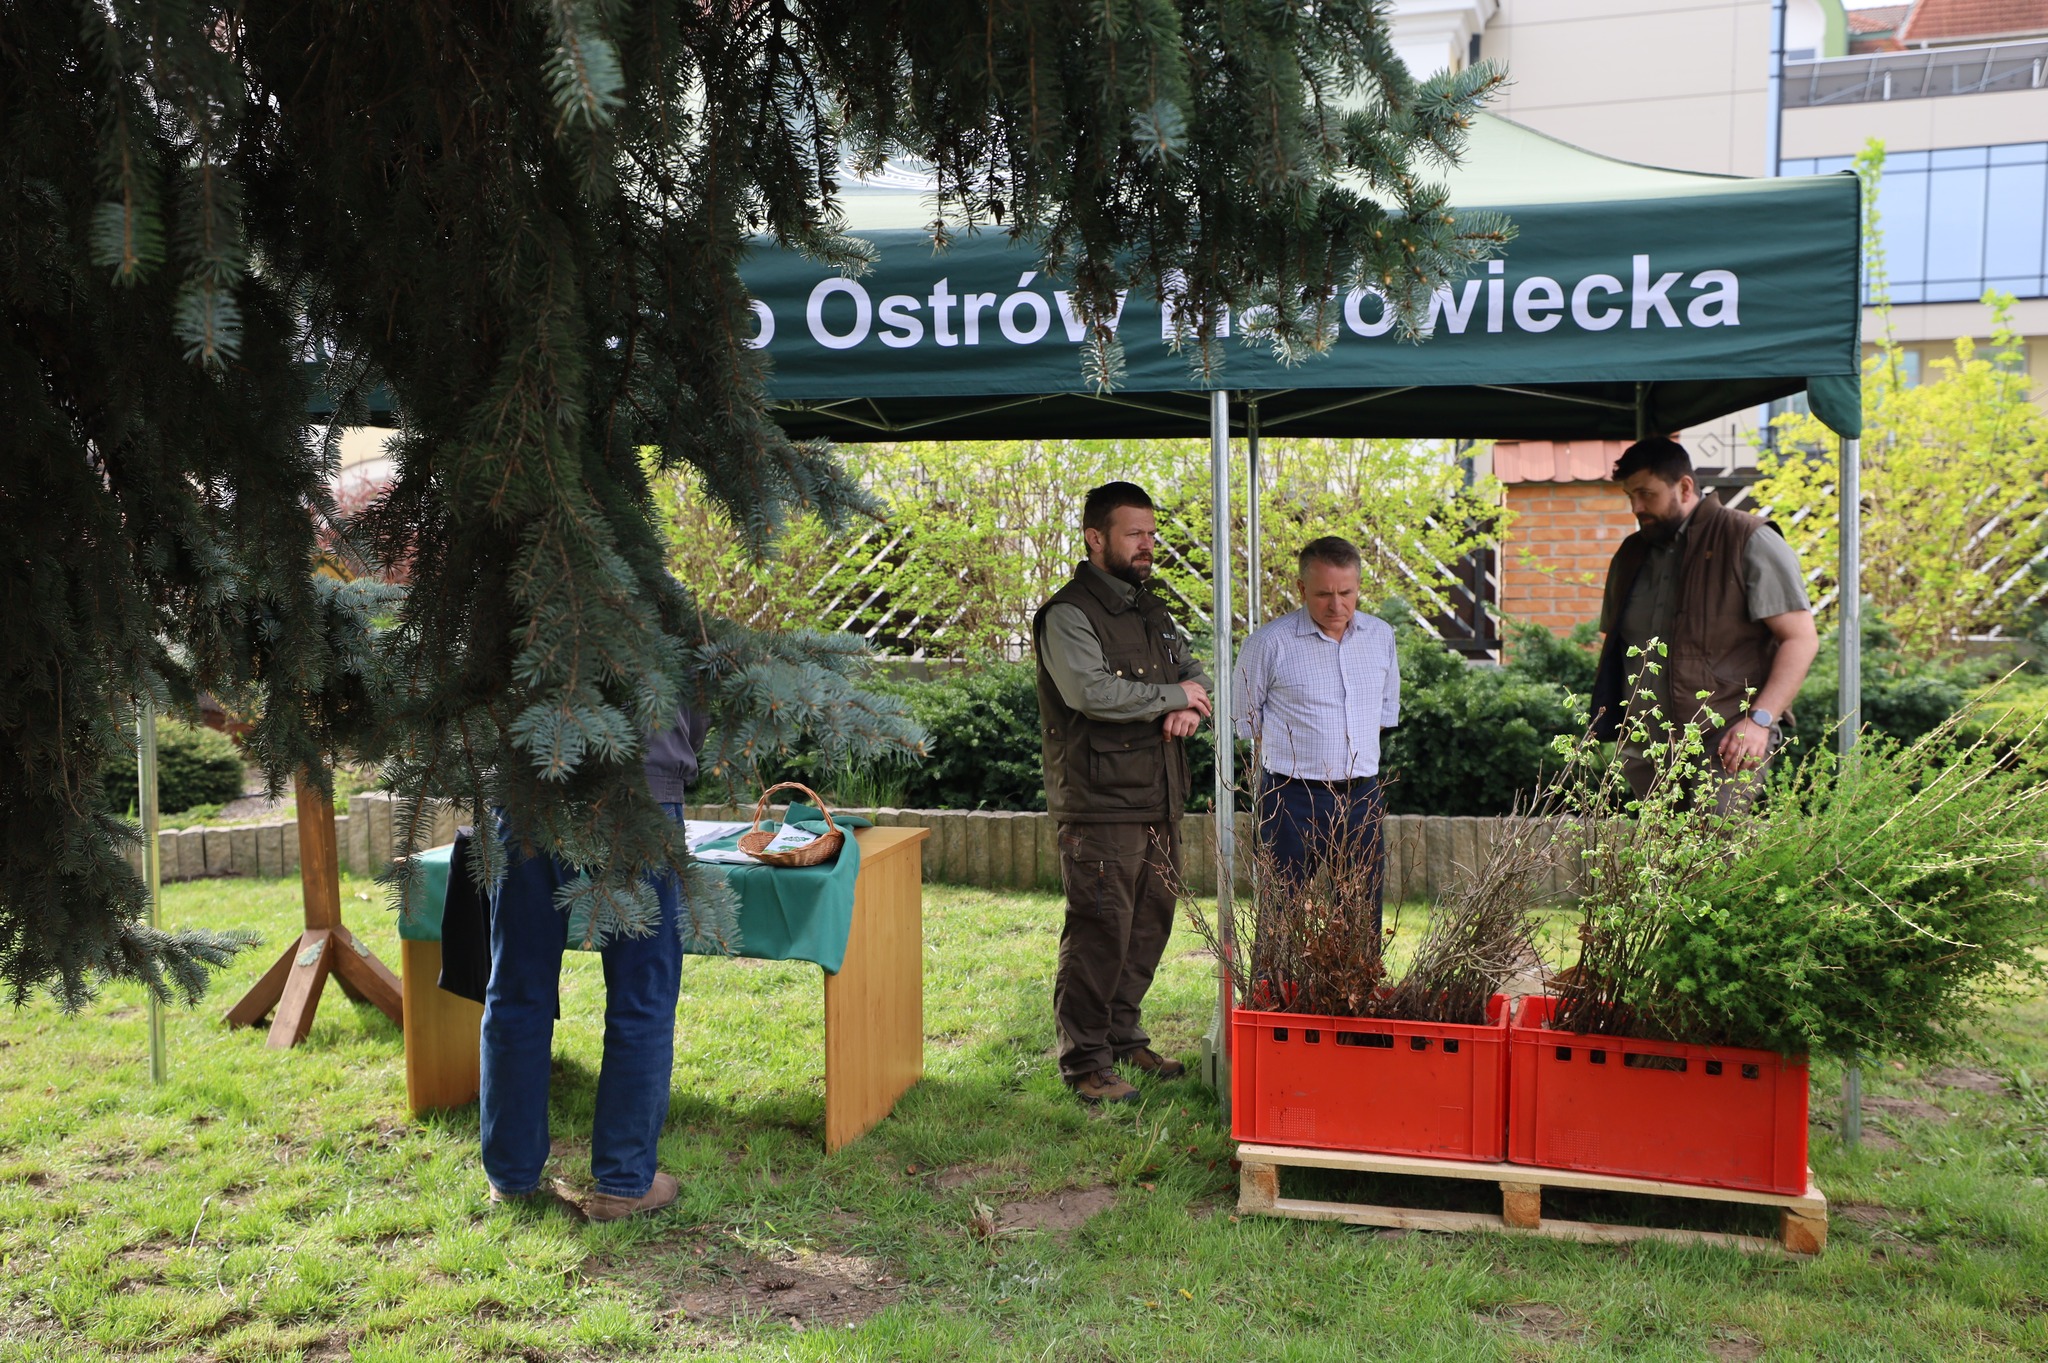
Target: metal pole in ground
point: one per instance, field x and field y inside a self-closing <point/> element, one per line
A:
<point x="152" y="869"/>
<point x="1221" y="563"/>
<point x="1255" y="579"/>
<point x="1849" y="695"/>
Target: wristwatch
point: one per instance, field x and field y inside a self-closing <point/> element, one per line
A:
<point x="1762" y="718"/>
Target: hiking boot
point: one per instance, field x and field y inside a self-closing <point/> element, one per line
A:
<point x="1145" y="1060"/>
<point x="611" y="1207"/>
<point x="1103" y="1086"/>
<point x="540" y="1199"/>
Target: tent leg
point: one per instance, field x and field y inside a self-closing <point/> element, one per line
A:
<point x="1642" y="411"/>
<point x="146" y="804"/>
<point x="1222" y="560"/>
<point x="1849" y="696"/>
<point x="1254" y="595"/>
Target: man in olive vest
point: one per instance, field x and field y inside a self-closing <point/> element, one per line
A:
<point x="1722" y="591"/>
<point x="1118" y="692"/>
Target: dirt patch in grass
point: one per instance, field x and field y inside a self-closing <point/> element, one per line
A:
<point x="1540" y="1321"/>
<point x="1969" y="1080"/>
<point x="141" y="1264"/>
<point x="329" y="1349"/>
<point x="1864" y="1214"/>
<point x="961" y="1175"/>
<point x="1059" y="1214"/>
<point x="1896" y="1247"/>
<point x="803" y="1291"/>
<point x="1910" y="1109"/>
<point x="1732" y="1346"/>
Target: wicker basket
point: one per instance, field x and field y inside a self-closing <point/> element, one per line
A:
<point x="821" y="849"/>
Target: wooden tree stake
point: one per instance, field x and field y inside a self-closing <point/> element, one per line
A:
<point x="292" y="986"/>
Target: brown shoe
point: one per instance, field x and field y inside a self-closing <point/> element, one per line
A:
<point x="610" y="1207"/>
<point x="540" y="1199"/>
<point x="1145" y="1060"/>
<point x="1103" y="1086"/>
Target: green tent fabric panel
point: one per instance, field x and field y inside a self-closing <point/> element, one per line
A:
<point x="1718" y="292"/>
<point x="1555" y="412"/>
<point x="1837" y="399"/>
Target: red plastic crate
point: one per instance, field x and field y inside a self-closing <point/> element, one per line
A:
<point x="1719" y="1116"/>
<point x="1371" y="1084"/>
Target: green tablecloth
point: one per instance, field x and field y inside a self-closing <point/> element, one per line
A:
<point x="786" y="913"/>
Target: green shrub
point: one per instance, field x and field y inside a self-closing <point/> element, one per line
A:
<point x="1870" y="904"/>
<point x="1876" y="907"/>
<point x="195" y="765"/>
<point x="981" y="739"/>
<point x="1568" y="661"/>
<point x="1472" y="738"/>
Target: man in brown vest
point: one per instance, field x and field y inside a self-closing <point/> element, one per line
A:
<point x="1118" y="691"/>
<point x="1723" y="593"/>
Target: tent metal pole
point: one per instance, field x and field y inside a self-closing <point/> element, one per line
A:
<point x="1254" y="595"/>
<point x="1849" y="694"/>
<point x="152" y="868"/>
<point x="1642" y="411"/>
<point x="1221" y="560"/>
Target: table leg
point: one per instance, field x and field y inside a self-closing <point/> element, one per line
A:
<point x="874" y="1006"/>
<point x="443" y="1034"/>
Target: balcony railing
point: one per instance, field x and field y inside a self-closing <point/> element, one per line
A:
<point x="1932" y="73"/>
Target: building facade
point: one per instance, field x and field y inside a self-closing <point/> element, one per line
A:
<point x="1957" y="90"/>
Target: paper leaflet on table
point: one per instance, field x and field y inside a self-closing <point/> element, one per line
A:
<point x="789" y="837"/>
<point x="700" y="831"/>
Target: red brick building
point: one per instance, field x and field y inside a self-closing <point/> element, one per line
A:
<point x="1568" y="520"/>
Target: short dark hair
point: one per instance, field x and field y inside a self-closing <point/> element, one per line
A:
<point x="1660" y="454"/>
<point x="1334" y="550"/>
<point x="1105" y="500"/>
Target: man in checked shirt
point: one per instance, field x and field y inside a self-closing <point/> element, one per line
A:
<point x="1314" y="690"/>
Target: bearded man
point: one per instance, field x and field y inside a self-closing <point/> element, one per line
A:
<point x="1723" y="595"/>
<point x="1119" y="690"/>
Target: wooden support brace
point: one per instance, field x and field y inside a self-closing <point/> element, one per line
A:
<point x="302" y="987"/>
<point x="1801" y="1233"/>
<point x="367" y="979"/>
<point x="1521" y="1205"/>
<point x="264" y="994"/>
<point x="292" y="986"/>
<point x="1258" y="1186"/>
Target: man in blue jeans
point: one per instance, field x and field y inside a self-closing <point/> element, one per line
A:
<point x="1314" y="690"/>
<point x="642" y="977"/>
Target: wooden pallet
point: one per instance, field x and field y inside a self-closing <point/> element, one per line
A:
<point x="1803" y="1219"/>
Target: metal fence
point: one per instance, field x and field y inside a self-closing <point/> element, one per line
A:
<point x="1931" y="73"/>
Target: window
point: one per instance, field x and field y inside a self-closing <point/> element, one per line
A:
<point x="1959" y="221"/>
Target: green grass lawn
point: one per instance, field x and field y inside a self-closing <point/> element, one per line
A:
<point x="281" y="1206"/>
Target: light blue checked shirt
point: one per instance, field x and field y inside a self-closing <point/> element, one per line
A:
<point x="1316" y="705"/>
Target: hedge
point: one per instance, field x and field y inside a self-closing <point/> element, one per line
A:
<point x="194" y="766"/>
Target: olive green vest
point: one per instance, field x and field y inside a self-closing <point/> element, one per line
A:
<point x="1102" y="772"/>
<point x="1718" y="658"/>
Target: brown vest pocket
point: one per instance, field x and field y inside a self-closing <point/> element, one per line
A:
<point x="1131" y="764"/>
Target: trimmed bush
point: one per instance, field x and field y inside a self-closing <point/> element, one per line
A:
<point x="194" y="766"/>
<point x="1472" y="737"/>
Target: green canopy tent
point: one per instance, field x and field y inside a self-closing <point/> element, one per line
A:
<point x="1632" y="300"/>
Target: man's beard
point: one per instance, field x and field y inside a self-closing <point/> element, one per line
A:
<point x="1129" y="570"/>
<point x="1663" y="530"/>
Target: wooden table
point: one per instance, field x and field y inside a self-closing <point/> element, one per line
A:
<point x="874" y="1006"/>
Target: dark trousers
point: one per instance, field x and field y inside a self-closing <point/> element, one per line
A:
<point x="1119" y="879"/>
<point x="642" y="978"/>
<point x="1304" y="824"/>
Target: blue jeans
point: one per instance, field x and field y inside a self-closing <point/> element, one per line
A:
<point x="642" y="977"/>
<point x="1303" y="822"/>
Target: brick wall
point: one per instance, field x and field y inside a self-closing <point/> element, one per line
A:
<point x="1568" y="521"/>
